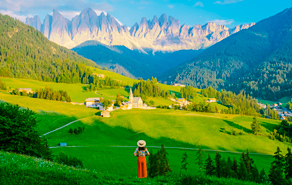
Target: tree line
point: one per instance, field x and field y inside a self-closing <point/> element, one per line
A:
<point x="240" y="103"/>
<point x="245" y="169"/>
<point x="47" y="93"/>
<point x="96" y="83"/>
<point x="149" y="88"/>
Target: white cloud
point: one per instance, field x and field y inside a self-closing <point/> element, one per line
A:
<point x="12" y="14"/>
<point x="223" y="22"/>
<point x="199" y="4"/>
<point x="170" y="6"/>
<point x="227" y="2"/>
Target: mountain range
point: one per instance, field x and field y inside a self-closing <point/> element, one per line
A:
<point x="256" y="61"/>
<point x="158" y="34"/>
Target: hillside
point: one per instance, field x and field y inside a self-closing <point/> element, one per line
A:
<point x="133" y="63"/>
<point x="246" y="61"/>
<point x="103" y="137"/>
<point x="26" y="53"/>
<point x="37" y="171"/>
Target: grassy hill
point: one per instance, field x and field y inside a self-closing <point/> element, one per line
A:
<point x="105" y="141"/>
<point x="21" y="169"/>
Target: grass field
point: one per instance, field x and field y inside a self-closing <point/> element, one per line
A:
<point x="101" y="140"/>
<point x="21" y="169"/>
<point x="77" y="93"/>
<point x="99" y="146"/>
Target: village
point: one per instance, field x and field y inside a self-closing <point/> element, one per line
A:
<point x="283" y="112"/>
<point x="137" y="102"/>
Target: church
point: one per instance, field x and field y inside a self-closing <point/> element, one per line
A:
<point x="134" y="102"/>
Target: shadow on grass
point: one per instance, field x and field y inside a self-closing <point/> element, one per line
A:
<point x="269" y="126"/>
<point x="232" y="124"/>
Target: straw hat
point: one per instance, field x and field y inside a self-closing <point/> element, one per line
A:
<point x="141" y="143"/>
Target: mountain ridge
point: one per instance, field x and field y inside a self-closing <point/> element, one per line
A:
<point x="158" y="34"/>
<point x="256" y="61"/>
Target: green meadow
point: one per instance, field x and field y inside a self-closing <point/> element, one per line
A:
<point x="107" y="144"/>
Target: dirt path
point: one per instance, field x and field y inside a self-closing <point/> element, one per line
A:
<point x="65" y="126"/>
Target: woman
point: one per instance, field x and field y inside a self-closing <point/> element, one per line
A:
<point x="141" y="152"/>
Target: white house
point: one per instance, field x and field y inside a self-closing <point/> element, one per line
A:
<point x="92" y="102"/>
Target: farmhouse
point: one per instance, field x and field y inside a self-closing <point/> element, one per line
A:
<point x="92" y="102"/>
<point x="182" y="102"/>
<point x="212" y="100"/>
<point x="178" y="84"/>
<point x="98" y="75"/>
<point x="109" y="108"/>
<point x="105" y="114"/>
<point x="28" y="90"/>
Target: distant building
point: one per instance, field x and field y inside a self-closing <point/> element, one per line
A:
<point x="98" y="75"/>
<point x="182" y="102"/>
<point x="62" y="144"/>
<point x="178" y="84"/>
<point x="92" y="102"/>
<point x="105" y="114"/>
<point x="28" y="90"/>
<point x="134" y="102"/>
<point x="109" y="108"/>
<point x="212" y="100"/>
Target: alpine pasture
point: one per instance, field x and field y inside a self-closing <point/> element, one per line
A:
<point x="107" y="144"/>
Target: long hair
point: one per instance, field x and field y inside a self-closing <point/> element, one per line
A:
<point x="141" y="148"/>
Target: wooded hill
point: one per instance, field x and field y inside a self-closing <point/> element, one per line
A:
<point x="256" y="61"/>
<point x="26" y="53"/>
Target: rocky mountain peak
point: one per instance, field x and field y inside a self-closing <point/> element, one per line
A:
<point x="163" y="33"/>
<point x="34" y="22"/>
<point x="162" y="20"/>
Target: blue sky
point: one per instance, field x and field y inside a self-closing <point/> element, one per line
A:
<point x="190" y="12"/>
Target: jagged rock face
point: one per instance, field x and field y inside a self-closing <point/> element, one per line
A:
<point x="34" y="22"/>
<point x="166" y="34"/>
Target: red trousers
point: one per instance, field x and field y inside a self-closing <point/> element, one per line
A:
<point x="142" y="167"/>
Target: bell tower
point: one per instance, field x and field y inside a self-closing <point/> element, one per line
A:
<point x="131" y="96"/>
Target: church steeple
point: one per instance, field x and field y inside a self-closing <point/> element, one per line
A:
<point x="131" y="96"/>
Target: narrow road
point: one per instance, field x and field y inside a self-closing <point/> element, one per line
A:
<point x="180" y="148"/>
<point x="65" y="126"/>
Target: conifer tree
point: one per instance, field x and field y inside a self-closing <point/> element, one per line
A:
<point x="228" y="168"/>
<point x="255" y="126"/>
<point x="218" y="168"/>
<point x="150" y="168"/>
<point x="164" y="167"/>
<point x="277" y="168"/>
<point x="255" y="176"/>
<point x="242" y="172"/>
<point x="200" y="158"/>
<point x="234" y="169"/>
<point x="288" y="164"/>
<point x="184" y="162"/>
<point x="248" y="161"/>
<point x="263" y="176"/>
<point x="209" y="166"/>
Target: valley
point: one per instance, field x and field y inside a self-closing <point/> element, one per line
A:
<point x="213" y="101"/>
